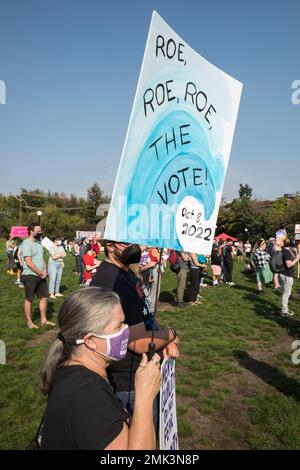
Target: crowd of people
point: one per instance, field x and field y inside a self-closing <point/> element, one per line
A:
<point x="98" y="363"/>
<point x="191" y="269"/>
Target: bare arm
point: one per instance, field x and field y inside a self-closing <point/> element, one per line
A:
<point x="33" y="267"/>
<point x="291" y="263"/>
<point x="141" y="435"/>
<point x="140" y="337"/>
<point x="184" y="256"/>
<point x="90" y="267"/>
<point x="149" y="265"/>
<point x="61" y="255"/>
<point x="19" y="257"/>
<point x="196" y="262"/>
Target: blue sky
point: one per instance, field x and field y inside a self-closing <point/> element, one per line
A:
<point x="71" y="69"/>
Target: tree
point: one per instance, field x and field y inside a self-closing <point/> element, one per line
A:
<point x="245" y="192"/>
<point x="237" y="215"/>
<point x="94" y="198"/>
<point x="62" y="214"/>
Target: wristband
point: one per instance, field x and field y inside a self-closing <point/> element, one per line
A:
<point x="174" y="333"/>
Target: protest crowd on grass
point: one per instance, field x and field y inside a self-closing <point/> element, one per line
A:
<point x="109" y="375"/>
<point x="106" y="325"/>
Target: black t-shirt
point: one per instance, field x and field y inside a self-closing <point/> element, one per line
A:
<point x="287" y="255"/>
<point x="216" y="259"/>
<point x="129" y="288"/>
<point x="227" y="254"/>
<point x="82" y="412"/>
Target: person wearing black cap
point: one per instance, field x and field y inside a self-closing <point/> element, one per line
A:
<point x="115" y="274"/>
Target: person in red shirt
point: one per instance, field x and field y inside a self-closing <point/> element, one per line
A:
<point x="91" y="263"/>
<point x="96" y="245"/>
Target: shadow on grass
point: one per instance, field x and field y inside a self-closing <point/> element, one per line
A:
<point x="36" y="312"/>
<point x="264" y="308"/>
<point x="269" y="374"/>
<point x="167" y="296"/>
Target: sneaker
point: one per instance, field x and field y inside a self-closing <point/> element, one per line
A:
<point x="231" y="283"/>
<point x="32" y="326"/>
<point x="58" y="294"/>
<point x="181" y="304"/>
<point x="48" y="323"/>
<point x="289" y="313"/>
<point x="52" y="296"/>
<point x="21" y="285"/>
<point x="17" y="282"/>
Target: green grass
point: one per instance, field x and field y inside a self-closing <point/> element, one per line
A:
<point x="234" y="372"/>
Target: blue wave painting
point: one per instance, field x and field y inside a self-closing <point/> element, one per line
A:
<point x="166" y="174"/>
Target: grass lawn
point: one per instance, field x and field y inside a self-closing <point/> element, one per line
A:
<point x="236" y="385"/>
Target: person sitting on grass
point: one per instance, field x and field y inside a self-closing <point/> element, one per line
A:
<point x="82" y="411"/>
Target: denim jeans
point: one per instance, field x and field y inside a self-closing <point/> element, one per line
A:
<point x="55" y="273"/>
<point x="287" y="284"/>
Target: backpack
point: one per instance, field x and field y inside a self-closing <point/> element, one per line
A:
<point x="276" y="262"/>
<point x="174" y="262"/>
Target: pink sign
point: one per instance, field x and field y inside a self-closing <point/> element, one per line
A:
<point x="19" y="232"/>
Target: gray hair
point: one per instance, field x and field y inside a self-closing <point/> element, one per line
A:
<point x="82" y="312"/>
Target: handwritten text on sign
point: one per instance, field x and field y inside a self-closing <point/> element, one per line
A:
<point x="173" y="165"/>
<point x="168" y="416"/>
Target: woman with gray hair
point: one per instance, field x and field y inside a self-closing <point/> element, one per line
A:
<point x="82" y="412"/>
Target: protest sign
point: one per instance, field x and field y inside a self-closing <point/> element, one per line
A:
<point x="19" y="232"/>
<point x="168" y="433"/>
<point x="85" y="234"/>
<point x="47" y="243"/>
<point x="297" y="228"/>
<point x="173" y="165"/>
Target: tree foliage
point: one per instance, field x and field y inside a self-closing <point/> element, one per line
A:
<point x="245" y="217"/>
<point x="62" y="214"/>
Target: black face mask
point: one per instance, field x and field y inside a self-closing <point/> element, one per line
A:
<point x="38" y="235"/>
<point x="130" y="255"/>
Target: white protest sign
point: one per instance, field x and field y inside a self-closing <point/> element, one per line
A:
<point x="297" y="228"/>
<point x="168" y="433"/>
<point x="47" y="243"/>
<point x="85" y="234"/>
<point x="173" y="165"/>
